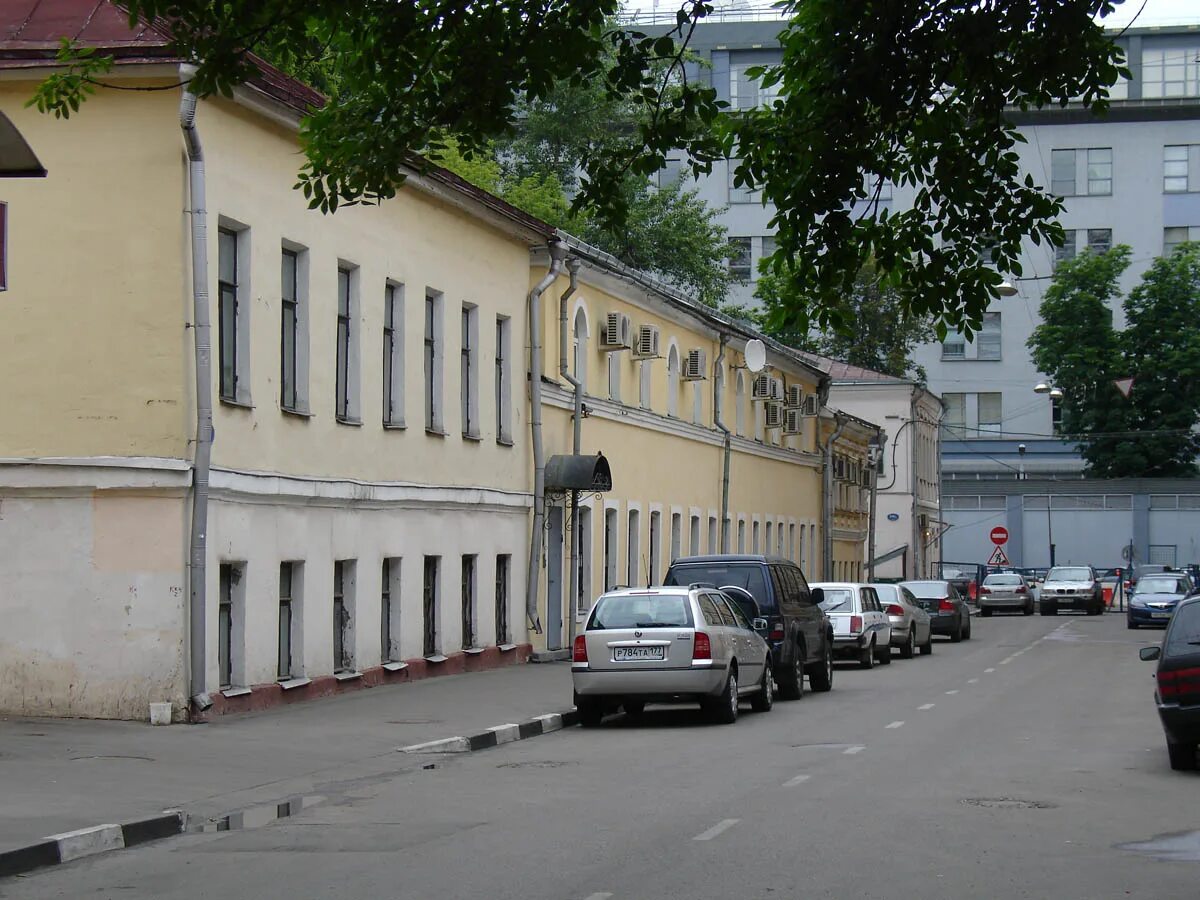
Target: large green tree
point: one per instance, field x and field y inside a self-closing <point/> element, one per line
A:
<point x="1150" y="433"/>
<point x="914" y="92"/>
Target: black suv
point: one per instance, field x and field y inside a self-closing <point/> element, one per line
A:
<point x="798" y="631"/>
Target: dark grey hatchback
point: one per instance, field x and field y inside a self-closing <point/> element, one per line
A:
<point x="1178" y="692"/>
<point x="798" y="631"/>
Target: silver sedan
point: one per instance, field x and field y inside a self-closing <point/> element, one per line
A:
<point x="910" y="623"/>
<point x="1005" y="591"/>
<point x="670" y="644"/>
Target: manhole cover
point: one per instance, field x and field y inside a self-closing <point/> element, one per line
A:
<point x="1008" y="803"/>
<point x="536" y="764"/>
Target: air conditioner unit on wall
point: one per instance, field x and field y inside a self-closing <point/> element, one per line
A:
<point x="811" y="406"/>
<point x="695" y="365"/>
<point x="646" y="346"/>
<point x="795" y="396"/>
<point x="617" y="333"/>
<point x="794" y="422"/>
<point x="777" y="391"/>
<point x="773" y="414"/>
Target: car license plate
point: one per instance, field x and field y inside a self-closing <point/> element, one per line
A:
<point x="1160" y="615"/>
<point x="626" y="653"/>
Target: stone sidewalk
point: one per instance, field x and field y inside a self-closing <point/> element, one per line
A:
<point x="59" y="775"/>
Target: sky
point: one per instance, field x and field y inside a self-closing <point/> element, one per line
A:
<point x="1156" y="12"/>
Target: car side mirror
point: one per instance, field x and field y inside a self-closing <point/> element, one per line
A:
<point x="817" y="595"/>
<point x="760" y="624"/>
<point x="1150" y="653"/>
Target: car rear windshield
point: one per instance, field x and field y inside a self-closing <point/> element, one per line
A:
<point x="641" y="611"/>
<point x="887" y="593"/>
<point x="1003" y="581"/>
<point x="1157" y="584"/>
<point x="1069" y="574"/>
<point x="838" y="600"/>
<point x="928" y="590"/>
<point x="719" y="575"/>
<point x="1183" y="635"/>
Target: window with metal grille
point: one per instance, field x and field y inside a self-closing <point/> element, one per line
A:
<point x="429" y="596"/>
<point x="503" y="383"/>
<point x="287" y="667"/>
<point x="389" y="610"/>
<point x="433" y="362"/>
<point x="468" y="601"/>
<point x="502" y="566"/>
<point x="393" y="355"/>
<point x="227" y="311"/>
<point x="290" y="395"/>
<point x="468" y="372"/>
<point x="343" y="613"/>
<point x="344" y="407"/>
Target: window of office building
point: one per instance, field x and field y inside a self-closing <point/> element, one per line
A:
<point x="1099" y="171"/>
<point x="1069" y="247"/>
<point x="1173" y="237"/>
<point x="1081" y="172"/>
<point x="740" y="193"/>
<point x="989" y="412"/>
<point x="955" y="421"/>
<point x="672" y="173"/>
<point x="1099" y="240"/>
<point x="987" y="341"/>
<point x="1181" y="168"/>
<point x="954" y="346"/>
<point x="1056" y="415"/>
<point x="739" y="258"/>
<point x="746" y="92"/>
<point x="1173" y="72"/>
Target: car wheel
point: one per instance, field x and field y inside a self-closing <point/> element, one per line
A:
<point x="910" y="646"/>
<point x="821" y="678"/>
<point x="1131" y="625"/>
<point x="958" y="634"/>
<point x="927" y="647"/>
<point x="1049" y="610"/>
<point x="791" y="684"/>
<point x="1029" y="610"/>
<point x="967" y="633"/>
<point x="1182" y="756"/>
<point x="634" y="708"/>
<point x="885" y="654"/>
<point x="985" y="612"/>
<point x="765" y="698"/>
<point x="866" y="656"/>
<point x="591" y="711"/>
<point x="725" y="709"/>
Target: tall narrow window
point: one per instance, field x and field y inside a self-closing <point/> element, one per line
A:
<point x="393" y="355"/>
<point x="429" y="595"/>
<point x="287" y="667"/>
<point x="469" y="372"/>
<point x="225" y="626"/>
<point x="741" y="543"/>
<point x="756" y="546"/>
<point x="954" y="346"/>
<point x="955" y="422"/>
<point x="343" y="345"/>
<point x="227" y="311"/>
<point x="633" y="541"/>
<point x="988" y="343"/>
<point x="712" y="535"/>
<point x="1181" y="168"/>
<point x="767" y="548"/>
<point x="673" y="381"/>
<point x="343" y="615"/>
<point x="739" y="259"/>
<point x="1069" y="247"/>
<point x="614" y="377"/>
<point x="289" y="338"/>
<point x="503" y="381"/>
<point x="502" y="566"/>
<point x="655" y="547"/>
<point x="725" y="534"/>
<point x="389" y="610"/>
<point x="791" y="548"/>
<point x="694" y="536"/>
<point x="739" y="402"/>
<point x="579" y="360"/>
<point x="433" y="362"/>
<point x="1062" y="172"/>
<point x="990" y="413"/>
<point x="468" y="601"/>
<point x="583" y="580"/>
<point x="803" y="559"/>
<point x="645" y="370"/>
<point x="676" y="536"/>
<point x="610" y="549"/>
<point x="1056" y="415"/>
<point x="1099" y="170"/>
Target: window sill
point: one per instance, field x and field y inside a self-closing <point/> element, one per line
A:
<point x="347" y="676"/>
<point x="473" y="438"/>
<point x="291" y="683"/>
<point x="395" y="666"/>
<point x="435" y="432"/>
<point x="240" y="404"/>
<point x="342" y="420"/>
<point x="298" y="413"/>
<point x="504" y="441"/>
<point x="394" y="426"/>
<point x="436" y="658"/>
<point x="235" y="691"/>
<point x="506" y="648"/>
<point x="472" y="651"/>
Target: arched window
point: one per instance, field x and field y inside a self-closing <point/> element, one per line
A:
<point x="580" y="349"/>
<point x="739" y="403"/>
<point x="673" y="381"/>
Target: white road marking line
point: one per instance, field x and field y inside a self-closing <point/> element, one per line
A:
<point x="597" y="897"/>
<point x="722" y="826"/>
<point x="799" y="779"/>
<point x="926" y="706"/>
<point x="894" y="724"/>
<point x="972" y="681"/>
<point x="850" y="751"/>
<point x="1005" y="662"/>
<point x="988" y="671"/>
<point x="952" y="692"/>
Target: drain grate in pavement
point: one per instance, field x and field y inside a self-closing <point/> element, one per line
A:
<point x="1007" y="803"/>
<point x="537" y="764"/>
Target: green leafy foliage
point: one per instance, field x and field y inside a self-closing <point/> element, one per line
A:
<point x="908" y="91"/>
<point x="1150" y="433"/>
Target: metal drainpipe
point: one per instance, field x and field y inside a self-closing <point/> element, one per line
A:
<point x="558" y="253"/>
<point x="827" y="499"/>
<point x="202" y="330"/>
<point x="872" y="506"/>
<point x="718" y="409"/>
<point x="576" y="440"/>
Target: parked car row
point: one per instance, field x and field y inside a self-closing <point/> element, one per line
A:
<point x="724" y="628"/>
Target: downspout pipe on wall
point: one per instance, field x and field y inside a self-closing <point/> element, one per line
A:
<point x="558" y="254"/>
<point x="576" y="438"/>
<point x="827" y="498"/>
<point x="718" y="411"/>
<point x="202" y="335"/>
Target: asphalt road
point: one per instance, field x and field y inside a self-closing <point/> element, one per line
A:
<point x="1017" y="764"/>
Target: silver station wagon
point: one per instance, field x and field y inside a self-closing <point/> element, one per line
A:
<point x="669" y="645"/>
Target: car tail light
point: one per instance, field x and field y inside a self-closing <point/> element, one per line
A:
<point x="579" y="649"/>
<point x="855" y="624"/>
<point x="776" y="632"/>
<point x="944" y="605"/>
<point x="1179" y="684"/>
<point x="984" y="590"/>
<point x="701" y="646"/>
<point x="895" y="609"/>
<point x="1020" y="589"/>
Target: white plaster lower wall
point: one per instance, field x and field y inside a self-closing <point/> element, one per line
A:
<point x="259" y="532"/>
<point x="92" y="602"/>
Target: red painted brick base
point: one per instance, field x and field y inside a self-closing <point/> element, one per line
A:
<point x="265" y="696"/>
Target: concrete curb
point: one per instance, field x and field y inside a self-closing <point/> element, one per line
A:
<point x="498" y="734"/>
<point x="72" y="845"/>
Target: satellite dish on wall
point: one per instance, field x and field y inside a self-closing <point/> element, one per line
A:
<point x="756" y="355"/>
